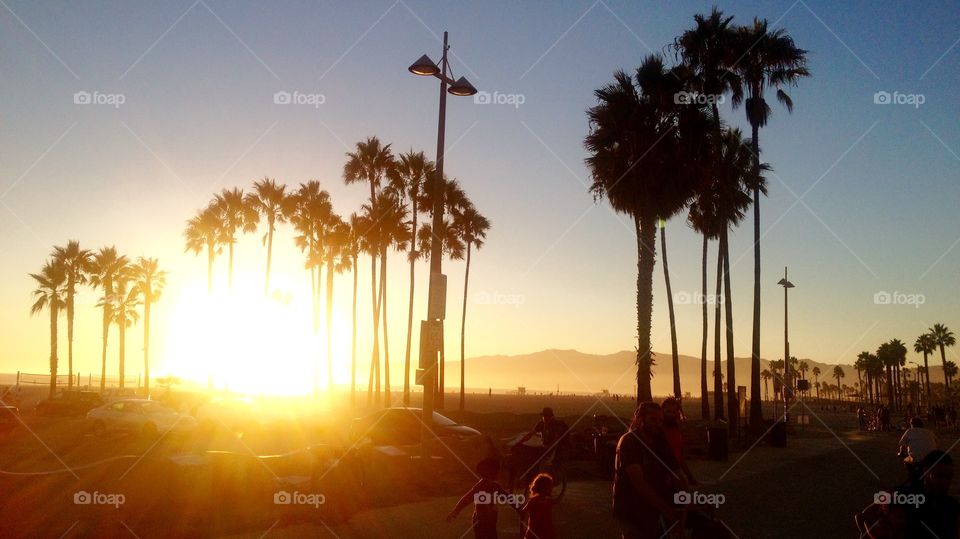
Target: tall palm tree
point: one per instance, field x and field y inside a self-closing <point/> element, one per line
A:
<point x="103" y="272"/>
<point x="926" y="345"/>
<point x="943" y="337"/>
<point x="271" y="201"/>
<point x="124" y="302"/>
<point x="766" y="375"/>
<point x="205" y="231"/>
<point x="636" y="162"/>
<point x="408" y="179"/>
<point x="392" y="233"/>
<point x="76" y="263"/>
<point x="236" y="214"/>
<point x="370" y="163"/>
<point x="838" y="374"/>
<point x="702" y="220"/>
<point x="51" y="294"/>
<point x="352" y="250"/>
<point x="675" y="356"/>
<point x="950" y="369"/>
<point x="472" y="228"/>
<point x="816" y="379"/>
<point x="337" y="261"/>
<point x="765" y="59"/>
<point x="149" y="282"/>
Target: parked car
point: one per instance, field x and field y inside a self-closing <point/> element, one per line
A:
<point x="402" y="426"/>
<point x="69" y="404"/>
<point x="9" y="417"/>
<point x="139" y="416"/>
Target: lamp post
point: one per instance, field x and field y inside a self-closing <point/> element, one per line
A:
<point x="431" y="346"/>
<point x="787" y="387"/>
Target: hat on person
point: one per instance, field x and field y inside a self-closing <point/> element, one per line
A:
<point x="547" y="412"/>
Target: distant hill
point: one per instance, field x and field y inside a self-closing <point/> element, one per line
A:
<point x="581" y="373"/>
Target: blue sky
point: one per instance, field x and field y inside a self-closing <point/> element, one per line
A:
<point x="862" y="199"/>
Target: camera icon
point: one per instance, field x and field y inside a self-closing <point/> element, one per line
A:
<point x="482" y="498"/>
<point x="282" y="497"/>
<point x="82" y="98"/>
<point x="682" y="498"/>
<point x="82" y="498"/>
<point x="882" y="498"/>
<point x="482" y="298"/>
<point x="281" y="98"/>
<point x="482" y="98"/>
<point x="882" y="98"/>
<point x="882" y="298"/>
<point x="682" y="98"/>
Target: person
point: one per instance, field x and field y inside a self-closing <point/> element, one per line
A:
<point x="646" y="475"/>
<point x="672" y="419"/>
<point x="925" y="509"/>
<point x="916" y="442"/>
<point x="552" y="432"/>
<point x="483" y="495"/>
<point x="862" y="417"/>
<point x="539" y="509"/>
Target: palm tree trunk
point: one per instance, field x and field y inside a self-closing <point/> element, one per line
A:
<point x="673" y="324"/>
<point x="756" y="411"/>
<point x="105" y="334"/>
<point x="890" y="387"/>
<point x="388" y="398"/>
<point x="717" y="373"/>
<point x="266" y="281"/>
<point x="926" y="372"/>
<point x="146" y="346"/>
<point x="70" y="292"/>
<point x="230" y="267"/>
<point x="123" y="341"/>
<point x="315" y="313"/>
<point x="704" y="391"/>
<point x="413" y="265"/>
<point x="54" y="313"/>
<point x="330" y="324"/>
<point x="463" y="331"/>
<point x="733" y="408"/>
<point x="210" y="255"/>
<point x="646" y="259"/>
<point x="943" y="361"/>
<point x="353" y="344"/>
<point x="374" y="383"/>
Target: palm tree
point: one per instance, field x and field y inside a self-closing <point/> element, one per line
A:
<point x="766" y="375"/>
<point x="898" y="352"/>
<point x="472" y="228"/>
<point x="702" y="220"/>
<point x="943" y="337"/>
<point x="236" y="214"/>
<point x="926" y="345"/>
<point x="124" y="302"/>
<point x="816" y="379"/>
<point x="103" y="272"/>
<point x="408" y="179"/>
<point x="662" y="224"/>
<point x="76" y="263"/>
<point x="838" y="374"/>
<point x="370" y="163"/>
<point x="764" y="59"/>
<point x="352" y="250"/>
<point x="270" y="200"/>
<point x="337" y="260"/>
<point x="149" y="282"/>
<point x="205" y="231"/>
<point x="950" y="369"/>
<point x="392" y="232"/>
<point x="50" y="294"/>
<point x="636" y="122"/>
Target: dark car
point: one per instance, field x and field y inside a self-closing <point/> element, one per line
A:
<point x="70" y="404"/>
<point x="9" y="417"/>
<point x="402" y="426"/>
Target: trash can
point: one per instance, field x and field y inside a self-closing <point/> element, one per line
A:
<point x="717" y="443"/>
<point x="778" y="434"/>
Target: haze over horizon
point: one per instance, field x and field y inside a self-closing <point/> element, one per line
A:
<point x="862" y="195"/>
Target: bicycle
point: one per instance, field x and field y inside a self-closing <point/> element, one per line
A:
<point x="525" y="462"/>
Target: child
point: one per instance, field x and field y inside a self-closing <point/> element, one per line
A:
<point x="483" y="495"/>
<point x="539" y="509"/>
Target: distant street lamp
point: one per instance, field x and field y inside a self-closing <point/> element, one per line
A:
<point x="787" y="387"/>
<point x="427" y="374"/>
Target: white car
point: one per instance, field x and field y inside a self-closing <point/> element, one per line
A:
<point x="139" y="416"/>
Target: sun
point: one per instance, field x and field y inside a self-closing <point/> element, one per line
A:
<point x="244" y="341"/>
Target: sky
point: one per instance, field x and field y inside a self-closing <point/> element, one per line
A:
<point x="861" y="201"/>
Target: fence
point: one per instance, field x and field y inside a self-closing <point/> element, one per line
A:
<point x="63" y="380"/>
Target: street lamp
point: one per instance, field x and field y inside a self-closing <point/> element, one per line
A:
<point x="433" y="325"/>
<point x="788" y="389"/>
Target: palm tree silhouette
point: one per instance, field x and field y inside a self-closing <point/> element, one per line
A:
<point x="270" y="200"/>
<point x="352" y="250"/>
<point x="701" y="219"/>
<point x="124" y="302"/>
<point x="766" y="375"/>
<point x="816" y="379"/>
<point x="337" y="235"/>
<point x="926" y="345"/>
<point x="76" y="263"/>
<point x="472" y="228"/>
<point x="370" y="163"/>
<point x="943" y="337"/>
<point x="634" y="162"/>
<point x="50" y="294"/>
<point x="764" y="59"/>
<point x="205" y="231"/>
<point x="391" y="232"/>
<point x="838" y="374"/>
<point x="662" y="225"/>
<point x="103" y="273"/>
<point x="149" y="282"/>
<point x="236" y="214"/>
<point x="950" y="369"/>
<point x="408" y="179"/>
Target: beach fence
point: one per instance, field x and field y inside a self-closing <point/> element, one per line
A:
<point x="79" y="380"/>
